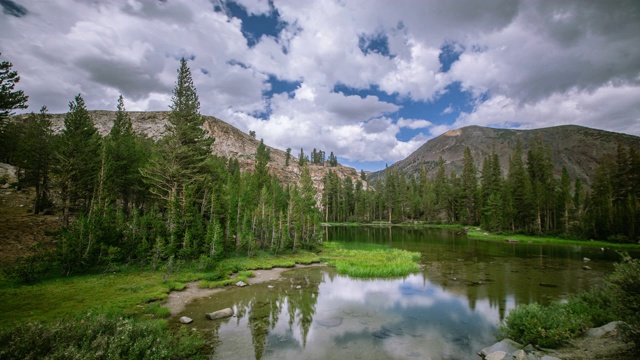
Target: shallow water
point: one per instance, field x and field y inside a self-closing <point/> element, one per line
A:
<point x="449" y="310"/>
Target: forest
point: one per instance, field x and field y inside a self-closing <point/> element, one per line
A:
<point x="528" y="199"/>
<point x="127" y="198"/>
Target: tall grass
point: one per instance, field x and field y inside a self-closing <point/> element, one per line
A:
<point x="368" y="260"/>
<point x="100" y="337"/>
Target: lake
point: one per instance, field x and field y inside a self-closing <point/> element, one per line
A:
<point x="449" y="310"/>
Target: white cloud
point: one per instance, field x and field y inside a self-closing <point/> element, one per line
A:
<point x="413" y="123"/>
<point x="535" y="64"/>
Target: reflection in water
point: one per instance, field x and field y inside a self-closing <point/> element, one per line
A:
<point x="448" y="311"/>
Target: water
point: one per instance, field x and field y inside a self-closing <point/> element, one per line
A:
<point x="449" y="310"/>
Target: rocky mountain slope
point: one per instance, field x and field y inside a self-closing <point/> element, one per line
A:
<point x="229" y="142"/>
<point x="577" y="148"/>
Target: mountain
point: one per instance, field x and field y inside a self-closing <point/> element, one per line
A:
<point x="577" y="148"/>
<point x="229" y="141"/>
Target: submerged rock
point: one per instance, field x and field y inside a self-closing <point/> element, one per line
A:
<point x="330" y="322"/>
<point x="220" y="314"/>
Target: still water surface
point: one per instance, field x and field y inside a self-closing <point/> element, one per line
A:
<point x="449" y="310"/>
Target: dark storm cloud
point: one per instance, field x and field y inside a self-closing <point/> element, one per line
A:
<point x="11" y="8"/>
<point x="133" y="81"/>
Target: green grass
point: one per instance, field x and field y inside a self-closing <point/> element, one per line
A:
<point x="131" y="291"/>
<point x="479" y="235"/>
<point x="101" y="336"/>
<point x="369" y="260"/>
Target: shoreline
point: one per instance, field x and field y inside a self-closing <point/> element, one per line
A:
<point x="177" y="300"/>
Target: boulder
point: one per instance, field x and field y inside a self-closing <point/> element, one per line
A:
<point x="186" y="320"/>
<point x="507" y="346"/>
<point x="610" y="329"/>
<point x="220" y="314"/>
<point x="519" y="355"/>
<point x="498" y="355"/>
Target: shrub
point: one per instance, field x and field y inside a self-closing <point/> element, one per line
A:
<point x="100" y="337"/>
<point x="625" y="289"/>
<point x="548" y="327"/>
<point x="34" y="267"/>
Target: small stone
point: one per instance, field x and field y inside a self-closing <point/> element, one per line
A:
<point x="220" y="314"/>
<point x="586" y="267"/>
<point x="241" y="284"/>
<point x="270" y="286"/>
<point x="586" y="259"/>
<point x="298" y="287"/>
<point x="186" y="320"/>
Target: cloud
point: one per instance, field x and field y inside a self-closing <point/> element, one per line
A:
<point x="532" y="64"/>
<point x="413" y="123"/>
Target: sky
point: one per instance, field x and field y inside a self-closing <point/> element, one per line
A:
<point x="369" y="80"/>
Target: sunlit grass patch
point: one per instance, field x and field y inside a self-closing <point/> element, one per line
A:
<point x="480" y="235"/>
<point x="369" y="260"/>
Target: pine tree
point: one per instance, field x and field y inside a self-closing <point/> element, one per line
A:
<point x="469" y="188"/>
<point x="125" y="155"/>
<point x="287" y="157"/>
<point x="77" y="149"/>
<point x="10" y="99"/>
<point x="36" y="156"/>
<point x="180" y="168"/>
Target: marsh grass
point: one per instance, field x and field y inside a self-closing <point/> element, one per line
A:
<point x="479" y="235"/>
<point x="127" y="290"/>
<point x="101" y="336"/>
<point x="369" y="260"/>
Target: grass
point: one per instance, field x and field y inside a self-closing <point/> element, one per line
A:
<point x="369" y="260"/>
<point x="102" y="336"/>
<point x="479" y="235"/>
<point x="129" y="291"/>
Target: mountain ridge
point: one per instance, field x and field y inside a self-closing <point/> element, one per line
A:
<point x="229" y="142"/>
<point x="575" y="147"/>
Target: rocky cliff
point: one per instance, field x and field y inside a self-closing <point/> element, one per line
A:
<point x="229" y="142"/>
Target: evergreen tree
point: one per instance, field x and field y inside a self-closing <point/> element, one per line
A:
<point x="77" y="149"/>
<point x="469" y="189"/>
<point x="10" y="99"/>
<point x="178" y="173"/>
<point x="36" y="156"/>
<point x="125" y="155"/>
<point x="287" y="157"/>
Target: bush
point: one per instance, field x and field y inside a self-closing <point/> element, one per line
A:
<point x="552" y="326"/>
<point x="100" y="337"/>
<point x="625" y="289"/>
<point x="548" y="327"/>
<point x="32" y="268"/>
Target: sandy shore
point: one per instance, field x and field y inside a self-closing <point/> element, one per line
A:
<point x="177" y="300"/>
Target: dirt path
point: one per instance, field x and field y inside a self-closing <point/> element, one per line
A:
<point x="177" y="300"/>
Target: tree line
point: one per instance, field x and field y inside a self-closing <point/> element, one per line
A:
<point x="128" y="198"/>
<point x="527" y="199"/>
